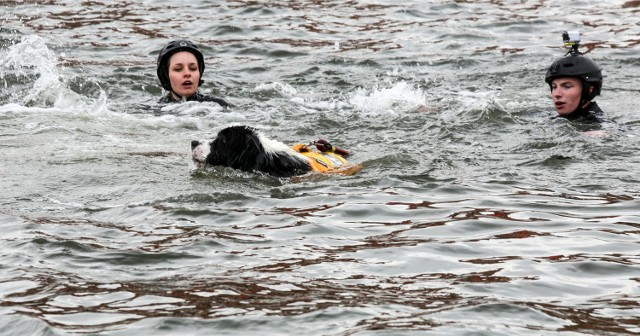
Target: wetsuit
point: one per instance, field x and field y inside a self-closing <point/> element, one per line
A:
<point x="590" y="114"/>
<point x="196" y="97"/>
<point x="587" y="119"/>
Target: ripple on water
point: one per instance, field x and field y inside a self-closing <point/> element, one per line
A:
<point x="477" y="211"/>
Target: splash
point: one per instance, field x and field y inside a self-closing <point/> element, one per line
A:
<point x="32" y="52"/>
<point x="31" y="58"/>
<point x="284" y="89"/>
<point x="193" y="108"/>
<point x="473" y="107"/>
<point x="401" y="97"/>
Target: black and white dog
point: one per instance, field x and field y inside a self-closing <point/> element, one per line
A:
<point x="244" y="148"/>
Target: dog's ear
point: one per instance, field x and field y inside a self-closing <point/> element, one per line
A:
<point x="250" y="151"/>
<point x="237" y="147"/>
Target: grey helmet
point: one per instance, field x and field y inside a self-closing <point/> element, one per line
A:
<point x="172" y="48"/>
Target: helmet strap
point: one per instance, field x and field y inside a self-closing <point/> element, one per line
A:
<point x="176" y="95"/>
<point x="179" y="97"/>
<point x="585" y="98"/>
<point x="587" y="93"/>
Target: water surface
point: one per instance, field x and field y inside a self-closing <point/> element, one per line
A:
<point x="477" y="212"/>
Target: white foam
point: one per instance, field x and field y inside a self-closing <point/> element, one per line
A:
<point x="17" y="108"/>
<point x="31" y="57"/>
<point x="401" y="97"/>
<point x="31" y="52"/>
<point x="323" y="105"/>
<point x="393" y="101"/>
<point x="193" y="108"/>
<point x="282" y="88"/>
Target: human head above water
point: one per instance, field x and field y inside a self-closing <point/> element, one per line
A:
<point x="178" y="47"/>
<point x="577" y="66"/>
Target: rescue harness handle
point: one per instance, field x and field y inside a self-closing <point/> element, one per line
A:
<point x="324" y="146"/>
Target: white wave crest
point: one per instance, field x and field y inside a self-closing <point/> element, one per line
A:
<point x="281" y="88"/>
<point x="31" y="57"/>
<point x="401" y="97"/>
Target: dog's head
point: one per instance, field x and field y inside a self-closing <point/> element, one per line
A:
<point x="244" y="148"/>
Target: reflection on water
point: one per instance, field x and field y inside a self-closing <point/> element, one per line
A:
<point x="434" y="265"/>
<point x="476" y="212"/>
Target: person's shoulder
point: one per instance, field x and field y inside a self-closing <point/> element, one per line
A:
<point x="595" y="109"/>
<point x="595" y="113"/>
<point x="167" y="99"/>
<point x="589" y="114"/>
<point x="207" y="98"/>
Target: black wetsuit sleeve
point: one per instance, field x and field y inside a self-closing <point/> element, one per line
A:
<point x="590" y="114"/>
<point x="220" y="101"/>
<point x="167" y="99"/>
<point x="205" y="98"/>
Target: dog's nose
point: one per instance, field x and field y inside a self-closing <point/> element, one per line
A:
<point x="194" y="144"/>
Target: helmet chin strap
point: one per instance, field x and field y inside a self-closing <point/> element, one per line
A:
<point x="176" y="95"/>
<point x="585" y="97"/>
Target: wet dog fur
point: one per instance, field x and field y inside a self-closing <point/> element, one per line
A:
<point x="245" y="148"/>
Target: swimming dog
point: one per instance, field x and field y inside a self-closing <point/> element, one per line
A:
<point x="247" y="149"/>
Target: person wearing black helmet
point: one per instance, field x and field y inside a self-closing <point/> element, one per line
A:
<point x="180" y="70"/>
<point x="575" y="81"/>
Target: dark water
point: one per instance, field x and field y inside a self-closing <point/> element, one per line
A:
<point x="477" y="212"/>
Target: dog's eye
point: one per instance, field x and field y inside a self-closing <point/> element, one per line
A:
<point x="194" y="144"/>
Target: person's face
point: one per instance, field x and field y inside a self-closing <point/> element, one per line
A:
<point x="184" y="74"/>
<point x="566" y="93"/>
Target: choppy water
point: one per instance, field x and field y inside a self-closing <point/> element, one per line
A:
<point x="482" y="215"/>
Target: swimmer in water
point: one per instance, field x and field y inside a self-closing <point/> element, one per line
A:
<point x="180" y="70"/>
<point x="575" y="81"/>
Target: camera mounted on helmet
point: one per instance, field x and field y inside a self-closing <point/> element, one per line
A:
<point x="572" y="39"/>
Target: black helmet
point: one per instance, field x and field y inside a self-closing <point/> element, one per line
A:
<point x="172" y="48"/>
<point x="578" y="66"/>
